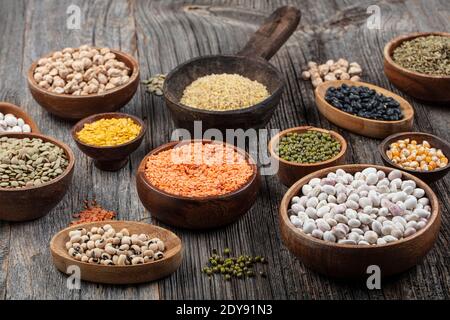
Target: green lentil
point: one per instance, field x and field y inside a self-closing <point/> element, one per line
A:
<point x="229" y="267"/>
<point x="29" y="162"/>
<point x="308" y="147"/>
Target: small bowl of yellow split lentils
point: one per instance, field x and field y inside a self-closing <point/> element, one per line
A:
<point x="109" y="138"/>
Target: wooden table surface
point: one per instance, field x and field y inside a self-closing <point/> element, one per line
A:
<point x="161" y="34"/>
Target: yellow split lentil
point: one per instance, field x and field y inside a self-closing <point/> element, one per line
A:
<point x="222" y="92"/>
<point x="109" y="132"/>
<point x="416" y="156"/>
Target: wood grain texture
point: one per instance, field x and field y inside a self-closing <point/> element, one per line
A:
<point x="161" y="35"/>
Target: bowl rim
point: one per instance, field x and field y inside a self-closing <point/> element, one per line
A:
<point x="334" y="134"/>
<point x="69" y="153"/>
<point x="171" y="145"/>
<point x="133" y="77"/>
<point x="74" y="227"/>
<point x="434" y="203"/>
<point x="249" y="109"/>
<point x="18" y="109"/>
<point x="397" y="41"/>
<point x="115" y="115"/>
<point x="403" y="102"/>
<point x="383" y="146"/>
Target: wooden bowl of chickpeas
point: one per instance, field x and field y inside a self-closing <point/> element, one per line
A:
<point x="75" y="83"/>
<point x="421" y="154"/>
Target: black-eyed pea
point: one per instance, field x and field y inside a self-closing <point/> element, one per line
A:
<point x="137" y="260"/>
<point x="110" y="250"/>
<point x="126" y="240"/>
<point x="72" y="252"/>
<point x="77" y="256"/>
<point x="75" y="239"/>
<point x="100" y="243"/>
<point x="153" y="246"/>
<point x="148" y="253"/>
<point x="106" y="256"/>
<point x="121" y="261"/>
<point x="97" y="252"/>
<point x="158" y="255"/>
<point x="74" y="233"/>
<point x="84" y="258"/>
<point x="107" y="262"/>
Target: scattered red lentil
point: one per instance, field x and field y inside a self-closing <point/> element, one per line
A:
<point x="92" y="213"/>
<point x="198" y="170"/>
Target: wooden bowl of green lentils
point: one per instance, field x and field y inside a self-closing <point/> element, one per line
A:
<point x="302" y="150"/>
<point x="35" y="174"/>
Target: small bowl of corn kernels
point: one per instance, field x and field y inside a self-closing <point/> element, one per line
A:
<point x="421" y="154"/>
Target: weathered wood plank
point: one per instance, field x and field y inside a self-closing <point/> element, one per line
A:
<point x="163" y="34"/>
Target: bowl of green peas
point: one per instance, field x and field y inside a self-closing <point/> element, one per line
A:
<point x="302" y="150"/>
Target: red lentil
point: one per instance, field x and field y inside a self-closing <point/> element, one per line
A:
<point x="92" y="213"/>
<point x="198" y="170"/>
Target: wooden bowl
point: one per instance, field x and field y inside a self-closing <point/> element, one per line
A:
<point x="132" y="274"/>
<point x="435" y="142"/>
<point x="419" y="85"/>
<point x="30" y="203"/>
<point x="78" y="107"/>
<point x="109" y="158"/>
<point x="289" y="172"/>
<point x="251" y="62"/>
<point x="196" y="212"/>
<point x="6" y="108"/>
<point x="366" y="127"/>
<point x="351" y="261"/>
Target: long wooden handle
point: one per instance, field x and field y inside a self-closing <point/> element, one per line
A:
<point x="273" y="33"/>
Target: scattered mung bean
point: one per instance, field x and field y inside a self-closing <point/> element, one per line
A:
<point x="229" y="267"/>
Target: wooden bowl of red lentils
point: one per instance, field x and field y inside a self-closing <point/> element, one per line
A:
<point x="421" y="154"/>
<point x="198" y="184"/>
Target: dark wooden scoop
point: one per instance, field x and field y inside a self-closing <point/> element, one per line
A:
<point x="250" y="62"/>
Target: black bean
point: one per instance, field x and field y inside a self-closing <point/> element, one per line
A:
<point x="364" y="102"/>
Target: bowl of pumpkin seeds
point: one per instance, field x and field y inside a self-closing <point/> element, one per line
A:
<point x="35" y="174"/>
<point x="302" y="150"/>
